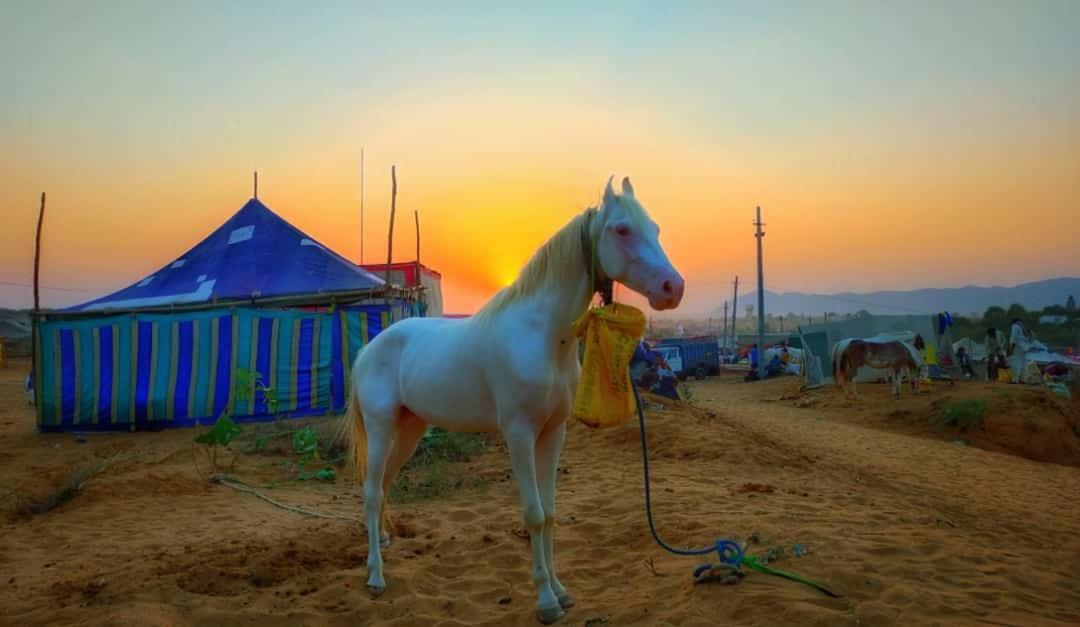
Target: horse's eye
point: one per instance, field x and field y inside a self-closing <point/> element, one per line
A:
<point x="622" y="230"/>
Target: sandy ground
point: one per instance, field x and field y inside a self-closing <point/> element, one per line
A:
<point x="910" y="524"/>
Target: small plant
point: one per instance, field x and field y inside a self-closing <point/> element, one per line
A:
<point x="962" y="414"/>
<point x="322" y="474"/>
<point x="220" y="435"/>
<point x="306" y="445"/>
<point x="686" y="392"/>
<point x="249" y="386"/>
<point x="446" y="446"/>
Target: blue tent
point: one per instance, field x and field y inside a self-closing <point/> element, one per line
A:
<point x="257" y="304"/>
<point x="255" y="255"/>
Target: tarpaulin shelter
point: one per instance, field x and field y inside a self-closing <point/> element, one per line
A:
<point x="415" y="275"/>
<point x="257" y="301"/>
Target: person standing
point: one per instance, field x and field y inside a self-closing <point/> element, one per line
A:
<point x="993" y="353"/>
<point x="1018" y="348"/>
<point x="964" y="361"/>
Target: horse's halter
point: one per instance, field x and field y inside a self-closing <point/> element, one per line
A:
<point x="600" y="283"/>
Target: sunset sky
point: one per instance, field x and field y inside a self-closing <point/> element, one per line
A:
<point x="890" y="145"/>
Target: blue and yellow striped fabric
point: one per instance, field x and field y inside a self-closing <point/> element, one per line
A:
<point x="161" y="370"/>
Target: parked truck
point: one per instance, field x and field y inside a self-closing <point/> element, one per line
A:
<point x="701" y="353"/>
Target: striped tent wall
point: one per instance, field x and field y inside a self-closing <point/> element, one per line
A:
<point x="162" y="370"/>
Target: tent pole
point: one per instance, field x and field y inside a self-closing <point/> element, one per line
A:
<point x="393" y="211"/>
<point x="37" y="310"/>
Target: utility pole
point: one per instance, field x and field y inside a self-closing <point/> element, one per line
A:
<point x="734" y="309"/>
<point x="760" y="297"/>
<point x="255" y="191"/>
<point x="724" y="333"/>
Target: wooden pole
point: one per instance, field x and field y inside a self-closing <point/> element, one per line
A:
<point x="393" y="212"/>
<point x="34" y="357"/>
<point x="37" y="253"/>
<point x="416" y="219"/>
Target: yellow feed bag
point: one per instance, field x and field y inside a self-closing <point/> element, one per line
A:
<point x="611" y="334"/>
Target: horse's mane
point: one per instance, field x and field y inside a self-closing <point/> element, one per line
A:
<point x="555" y="260"/>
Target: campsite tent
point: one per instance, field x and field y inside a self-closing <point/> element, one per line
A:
<point x="257" y="300"/>
<point x="414" y="274"/>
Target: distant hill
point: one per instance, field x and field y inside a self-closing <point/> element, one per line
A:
<point x="962" y="300"/>
<point x="14" y="323"/>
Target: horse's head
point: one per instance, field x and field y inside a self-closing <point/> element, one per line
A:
<point x="628" y="249"/>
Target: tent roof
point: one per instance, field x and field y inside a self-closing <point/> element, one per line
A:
<point x="255" y="254"/>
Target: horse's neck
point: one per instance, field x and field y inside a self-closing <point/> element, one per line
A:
<point x="568" y="302"/>
<point x="565" y="290"/>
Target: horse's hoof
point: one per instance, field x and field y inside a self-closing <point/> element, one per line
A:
<point x="566" y="601"/>
<point x="375" y="591"/>
<point x="548" y="615"/>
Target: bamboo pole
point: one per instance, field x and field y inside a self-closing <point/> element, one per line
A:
<point x="37" y="253"/>
<point x="34" y="357"/>
<point x="393" y="212"/>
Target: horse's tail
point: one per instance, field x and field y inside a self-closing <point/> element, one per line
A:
<point x="356" y="448"/>
<point x="355" y="435"/>
<point x="841" y="359"/>
<point x="837" y="351"/>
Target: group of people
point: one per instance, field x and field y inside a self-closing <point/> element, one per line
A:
<point x="775" y="367"/>
<point x="1008" y="353"/>
<point x="656" y="376"/>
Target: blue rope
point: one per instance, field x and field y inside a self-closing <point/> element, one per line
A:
<point x="727" y="551"/>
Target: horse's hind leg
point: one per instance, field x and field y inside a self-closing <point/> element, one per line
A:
<point x="410" y="429"/>
<point x="548" y="449"/>
<point x="380" y="435"/>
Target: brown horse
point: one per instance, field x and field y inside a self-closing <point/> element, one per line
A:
<point x="893" y="356"/>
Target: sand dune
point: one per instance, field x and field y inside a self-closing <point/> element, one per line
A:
<point x="912" y="528"/>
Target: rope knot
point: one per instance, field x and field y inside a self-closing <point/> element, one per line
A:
<point x="729" y="553"/>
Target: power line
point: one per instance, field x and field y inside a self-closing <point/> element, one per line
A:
<point x="47" y="287"/>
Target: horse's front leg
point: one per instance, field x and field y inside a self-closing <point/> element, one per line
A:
<point x="548" y="449"/>
<point x="521" y="441"/>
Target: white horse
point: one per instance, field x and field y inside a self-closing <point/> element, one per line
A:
<point x="513" y="367"/>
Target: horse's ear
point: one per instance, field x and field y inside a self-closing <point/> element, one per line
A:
<point x="609" y="192"/>
<point x="627" y="188"/>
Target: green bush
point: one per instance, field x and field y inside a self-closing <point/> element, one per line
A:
<point x="435" y="469"/>
<point x="447" y="446"/>
<point x="962" y="414"/>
